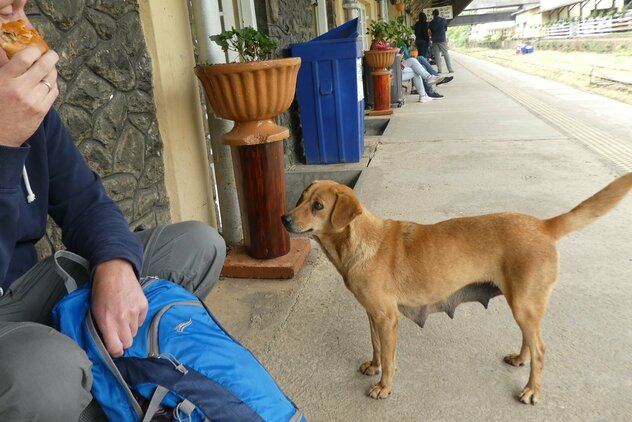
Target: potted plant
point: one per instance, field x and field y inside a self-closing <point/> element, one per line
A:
<point x="241" y="90"/>
<point x="400" y="6"/>
<point x="387" y="37"/>
<point x="382" y="51"/>
<point x="251" y="93"/>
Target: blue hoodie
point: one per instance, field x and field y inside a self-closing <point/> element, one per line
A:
<point x="438" y="27"/>
<point x="50" y="165"/>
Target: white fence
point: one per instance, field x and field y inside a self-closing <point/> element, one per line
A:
<point x="594" y="27"/>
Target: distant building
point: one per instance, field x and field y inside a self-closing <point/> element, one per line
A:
<point x="495" y="19"/>
<point x="523" y="19"/>
<point x="528" y="22"/>
<point x="554" y="10"/>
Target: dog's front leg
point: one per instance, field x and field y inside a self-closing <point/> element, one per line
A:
<point x="386" y="322"/>
<point x="373" y="367"/>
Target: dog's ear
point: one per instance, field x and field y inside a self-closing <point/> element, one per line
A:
<point x="347" y="208"/>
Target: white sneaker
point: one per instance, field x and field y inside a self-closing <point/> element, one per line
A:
<point x="424" y="99"/>
<point x="432" y="79"/>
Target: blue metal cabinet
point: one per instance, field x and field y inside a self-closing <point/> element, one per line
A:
<point x="331" y="95"/>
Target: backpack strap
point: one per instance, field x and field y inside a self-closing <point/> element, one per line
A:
<point x="154" y="404"/>
<point x="186" y="407"/>
<point x="297" y="417"/>
<point x="62" y="268"/>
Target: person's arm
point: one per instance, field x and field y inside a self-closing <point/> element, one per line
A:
<point x="24" y="101"/>
<point x="94" y="227"/>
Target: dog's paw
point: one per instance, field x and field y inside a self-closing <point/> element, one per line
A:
<point x="515" y="359"/>
<point x="530" y="395"/>
<point x="379" y="391"/>
<point x="367" y="368"/>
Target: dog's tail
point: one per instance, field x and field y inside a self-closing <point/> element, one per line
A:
<point x="591" y="209"/>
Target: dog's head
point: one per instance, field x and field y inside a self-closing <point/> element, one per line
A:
<point x="324" y="206"/>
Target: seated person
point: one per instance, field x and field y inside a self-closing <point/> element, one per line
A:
<point x="412" y="69"/>
<point x="43" y="374"/>
<point x="429" y="89"/>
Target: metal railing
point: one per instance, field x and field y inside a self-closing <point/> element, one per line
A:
<point x="593" y="27"/>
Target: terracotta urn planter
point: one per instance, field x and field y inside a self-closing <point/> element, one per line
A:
<point x="380" y="59"/>
<point x="252" y="94"/>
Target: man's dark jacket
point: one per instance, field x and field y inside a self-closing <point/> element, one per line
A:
<point x="438" y="27"/>
<point x="66" y="189"/>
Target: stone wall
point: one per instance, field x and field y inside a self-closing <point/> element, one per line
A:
<point x="106" y="101"/>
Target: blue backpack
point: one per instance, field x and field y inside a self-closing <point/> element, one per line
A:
<point x="181" y="362"/>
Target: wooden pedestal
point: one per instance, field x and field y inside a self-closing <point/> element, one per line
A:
<point x="381" y="93"/>
<point x="260" y="177"/>
<point x="239" y="265"/>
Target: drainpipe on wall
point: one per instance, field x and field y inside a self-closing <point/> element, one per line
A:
<point x="320" y="10"/>
<point x="352" y="9"/>
<point x="383" y="10"/>
<point x="206" y="21"/>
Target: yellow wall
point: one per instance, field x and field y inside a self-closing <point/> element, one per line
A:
<point x="187" y="171"/>
<point x="371" y="7"/>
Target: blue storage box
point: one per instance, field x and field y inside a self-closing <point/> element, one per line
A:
<point x="331" y="95"/>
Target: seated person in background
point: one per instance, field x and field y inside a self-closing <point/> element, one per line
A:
<point x="43" y="374"/>
<point x="429" y="89"/>
<point x="412" y="68"/>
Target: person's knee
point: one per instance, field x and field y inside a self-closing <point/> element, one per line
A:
<point x="43" y="375"/>
<point x="206" y="257"/>
<point x="202" y="237"/>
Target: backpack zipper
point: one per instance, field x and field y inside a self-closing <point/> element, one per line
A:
<point x="152" y="336"/>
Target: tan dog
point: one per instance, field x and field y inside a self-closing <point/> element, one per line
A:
<point x="392" y="266"/>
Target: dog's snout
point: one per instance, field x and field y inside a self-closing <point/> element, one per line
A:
<point x="287" y="221"/>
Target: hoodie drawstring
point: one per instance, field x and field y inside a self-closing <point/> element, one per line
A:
<point x="31" y="196"/>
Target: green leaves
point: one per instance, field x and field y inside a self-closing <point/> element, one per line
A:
<point x="380" y="30"/>
<point x="393" y="32"/>
<point x="250" y="44"/>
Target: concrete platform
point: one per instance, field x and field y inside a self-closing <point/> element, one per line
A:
<point x="500" y="140"/>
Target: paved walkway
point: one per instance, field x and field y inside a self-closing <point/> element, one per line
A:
<point x="500" y="140"/>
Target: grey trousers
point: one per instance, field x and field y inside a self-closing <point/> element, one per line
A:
<point x="45" y="376"/>
<point x="441" y="47"/>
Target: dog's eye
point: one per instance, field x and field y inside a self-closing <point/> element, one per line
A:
<point x="317" y="206"/>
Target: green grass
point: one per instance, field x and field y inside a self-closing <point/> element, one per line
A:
<point x="589" y="71"/>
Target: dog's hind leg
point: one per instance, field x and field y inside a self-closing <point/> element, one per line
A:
<point x="529" y="323"/>
<point x="528" y="311"/>
<point x="518" y="359"/>
<point x="373" y="367"/>
<point x="527" y="285"/>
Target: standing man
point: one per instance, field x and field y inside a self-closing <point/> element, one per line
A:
<point x="438" y="26"/>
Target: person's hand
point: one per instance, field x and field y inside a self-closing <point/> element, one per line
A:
<point x="24" y="98"/>
<point x="119" y="304"/>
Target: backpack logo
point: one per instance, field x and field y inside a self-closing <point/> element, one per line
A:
<point x="183" y="325"/>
